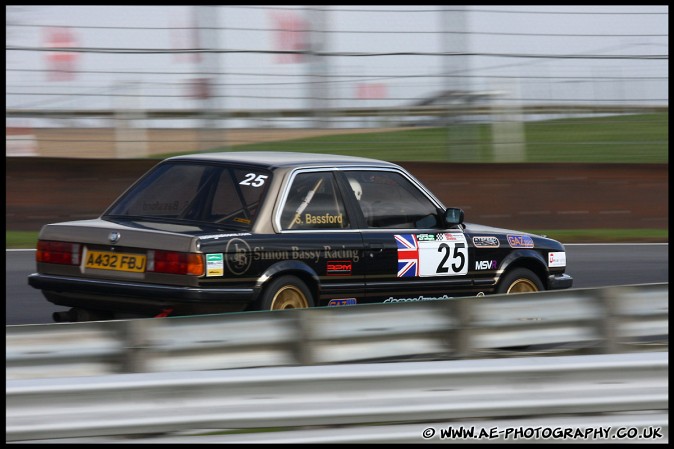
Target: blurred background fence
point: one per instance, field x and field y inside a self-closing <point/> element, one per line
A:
<point x="453" y="83"/>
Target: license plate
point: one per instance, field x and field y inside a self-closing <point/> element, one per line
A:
<point x="107" y="260"/>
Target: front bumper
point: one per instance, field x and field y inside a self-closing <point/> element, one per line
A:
<point x="559" y="281"/>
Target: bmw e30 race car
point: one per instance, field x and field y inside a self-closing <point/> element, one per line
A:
<point x="235" y="231"/>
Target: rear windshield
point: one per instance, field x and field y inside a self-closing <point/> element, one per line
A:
<point x="193" y="192"/>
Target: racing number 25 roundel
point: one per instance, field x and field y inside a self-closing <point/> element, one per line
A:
<point x="443" y="254"/>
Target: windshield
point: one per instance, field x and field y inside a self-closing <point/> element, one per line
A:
<point x="193" y="192"/>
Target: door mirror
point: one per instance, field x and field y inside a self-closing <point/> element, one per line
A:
<point x="453" y="216"/>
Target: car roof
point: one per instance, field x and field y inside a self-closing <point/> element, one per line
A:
<point x="274" y="159"/>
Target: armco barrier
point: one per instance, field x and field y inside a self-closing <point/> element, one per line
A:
<point x="596" y="428"/>
<point x="579" y="321"/>
<point x="514" y="195"/>
<point x="383" y="393"/>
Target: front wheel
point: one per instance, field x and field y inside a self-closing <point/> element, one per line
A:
<point x="286" y="292"/>
<point x="520" y="280"/>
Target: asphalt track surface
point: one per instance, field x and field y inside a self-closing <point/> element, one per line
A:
<point x="591" y="266"/>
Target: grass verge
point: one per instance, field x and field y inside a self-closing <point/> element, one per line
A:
<point x="638" y="138"/>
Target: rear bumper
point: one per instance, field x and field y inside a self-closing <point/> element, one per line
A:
<point x="135" y="297"/>
<point x="559" y="281"/>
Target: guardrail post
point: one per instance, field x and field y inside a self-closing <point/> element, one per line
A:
<point x="460" y="339"/>
<point x="608" y="325"/>
<point x="136" y="337"/>
<point x="303" y="346"/>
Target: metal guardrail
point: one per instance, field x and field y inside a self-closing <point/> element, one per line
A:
<point x="607" y="428"/>
<point x="412" y="392"/>
<point x="607" y="320"/>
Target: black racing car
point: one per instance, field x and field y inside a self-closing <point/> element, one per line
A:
<point x="219" y="232"/>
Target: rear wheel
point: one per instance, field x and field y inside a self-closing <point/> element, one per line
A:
<point x="520" y="280"/>
<point x="286" y="292"/>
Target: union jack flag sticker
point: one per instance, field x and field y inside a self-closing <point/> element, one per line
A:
<point x="408" y="255"/>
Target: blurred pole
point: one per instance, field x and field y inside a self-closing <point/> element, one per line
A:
<point x="212" y="131"/>
<point x="461" y="134"/>
<point x="508" y="138"/>
<point x="130" y="132"/>
<point x="318" y="66"/>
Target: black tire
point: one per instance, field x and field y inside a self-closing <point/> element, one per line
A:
<point x="286" y="292"/>
<point x="77" y="315"/>
<point x="520" y="280"/>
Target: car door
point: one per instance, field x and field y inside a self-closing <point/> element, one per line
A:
<point x="319" y="232"/>
<point x="409" y="255"/>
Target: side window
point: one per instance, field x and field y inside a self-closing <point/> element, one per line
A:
<point x="238" y="195"/>
<point x="314" y="202"/>
<point x="390" y="200"/>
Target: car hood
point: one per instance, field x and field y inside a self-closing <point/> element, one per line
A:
<point x="541" y="240"/>
<point x="473" y="228"/>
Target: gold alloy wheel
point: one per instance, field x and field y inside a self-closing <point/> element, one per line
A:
<point x="522" y="285"/>
<point x="289" y="297"/>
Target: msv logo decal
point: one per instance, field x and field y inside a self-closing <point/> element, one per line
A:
<point x="485" y="264"/>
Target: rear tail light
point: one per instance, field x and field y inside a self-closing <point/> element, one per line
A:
<point x="175" y="263"/>
<point x="170" y="262"/>
<point x="63" y="253"/>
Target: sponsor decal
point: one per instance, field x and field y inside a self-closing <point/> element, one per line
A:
<point x="343" y="253"/>
<point x="486" y="241"/>
<point x="520" y="241"/>
<point x="224" y="236"/>
<point x="238" y="258"/>
<point x="260" y="253"/>
<point x="339" y="267"/>
<point x="342" y="302"/>
<point x="418" y="298"/>
<point x="215" y="265"/>
<point x="447" y="255"/>
<point x="444" y="236"/>
<point x="295" y="253"/>
<point x="451" y="237"/>
<point x="486" y="264"/>
<point x="426" y="237"/>
<point x="557" y="259"/>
